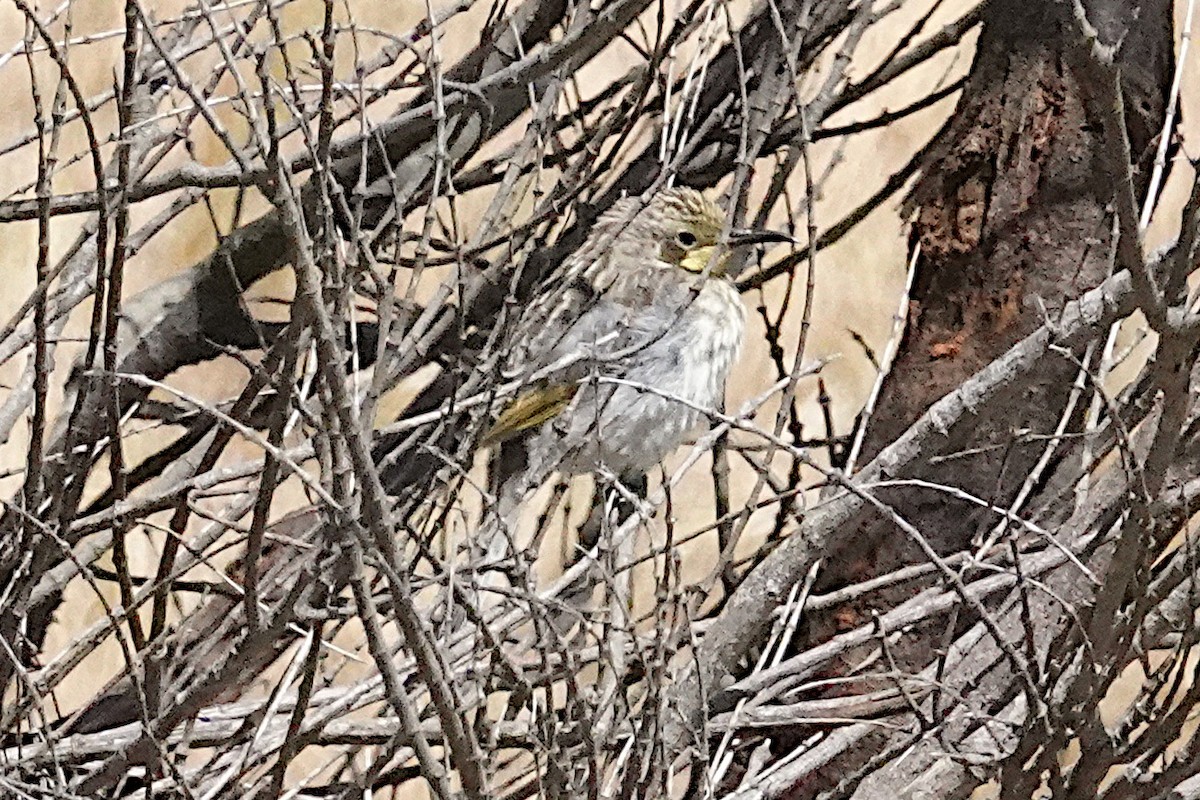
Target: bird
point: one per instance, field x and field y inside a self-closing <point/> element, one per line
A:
<point x="626" y="348"/>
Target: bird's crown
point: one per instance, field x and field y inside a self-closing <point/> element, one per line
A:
<point x="683" y="224"/>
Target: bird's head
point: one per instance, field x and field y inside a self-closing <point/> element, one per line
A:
<point x="687" y="227"/>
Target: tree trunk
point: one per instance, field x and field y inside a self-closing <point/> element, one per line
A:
<point x="1012" y="220"/>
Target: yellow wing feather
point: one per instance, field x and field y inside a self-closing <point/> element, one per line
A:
<point x="529" y="410"/>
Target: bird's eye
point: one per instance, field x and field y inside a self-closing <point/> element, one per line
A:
<point x="686" y="238"/>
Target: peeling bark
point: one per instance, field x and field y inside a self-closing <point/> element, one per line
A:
<point x="1011" y="220"/>
<point x="1012" y="217"/>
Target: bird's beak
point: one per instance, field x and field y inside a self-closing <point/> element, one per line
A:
<point x="740" y="238"/>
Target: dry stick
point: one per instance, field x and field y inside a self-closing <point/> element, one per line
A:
<point x="1052" y="444"/>
<point x="781" y="636"/>
<point x="229" y="66"/>
<point x="1164" y="137"/>
<point x="1114" y="499"/>
<point x="737" y="628"/>
<point x="147" y="135"/>
<point x="112" y="306"/>
<point x="764" y="109"/>
<point x="238" y="763"/>
<point x="26" y="46"/>
<point x="202" y="101"/>
<point x="276" y="430"/>
<point x="238" y="30"/>
<point x="614" y="666"/>
<point x="1175" y="708"/>
<point x="1156" y="178"/>
<point x="216" y="728"/>
<point x="949" y="36"/>
<point x="465" y="751"/>
<point x="115" y="620"/>
<point x="859" y="489"/>
<point x="396" y="694"/>
<point x="899" y="320"/>
<point x="1103" y="84"/>
<point x="816" y="109"/>
<point x="205" y="482"/>
<point x="207" y="715"/>
<point x="799" y="155"/>
<point x="47" y="158"/>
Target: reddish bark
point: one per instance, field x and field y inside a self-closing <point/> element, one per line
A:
<point x="1012" y="219"/>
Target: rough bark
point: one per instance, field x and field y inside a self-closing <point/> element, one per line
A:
<point x="1012" y="220"/>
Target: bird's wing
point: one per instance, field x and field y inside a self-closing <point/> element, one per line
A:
<point x="577" y="347"/>
<point x="574" y="289"/>
<point x="529" y="410"/>
<point x="587" y="328"/>
<point x="594" y="315"/>
<point x="552" y="318"/>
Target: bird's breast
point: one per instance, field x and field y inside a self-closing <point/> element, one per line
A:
<point x="707" y="342"/>
<point x="672" y="382"/>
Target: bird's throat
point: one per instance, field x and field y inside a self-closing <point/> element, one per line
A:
<point x="696" y="259"/>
